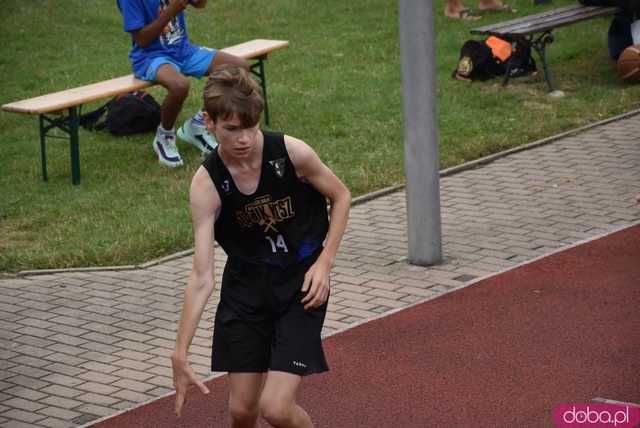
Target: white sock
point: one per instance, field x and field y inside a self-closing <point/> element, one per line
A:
<point x="198" y="119"/>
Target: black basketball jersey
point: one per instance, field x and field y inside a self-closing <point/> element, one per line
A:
<point x="284" y="221"/>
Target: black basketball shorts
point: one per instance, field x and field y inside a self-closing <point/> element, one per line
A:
<point x="285" y="337"/>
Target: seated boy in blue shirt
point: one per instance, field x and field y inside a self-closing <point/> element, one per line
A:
<point x="161" y="52"/>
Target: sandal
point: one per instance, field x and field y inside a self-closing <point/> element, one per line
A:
<point x="463" y="14"/>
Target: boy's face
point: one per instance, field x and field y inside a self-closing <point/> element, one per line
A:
<point x="234" y="139"/>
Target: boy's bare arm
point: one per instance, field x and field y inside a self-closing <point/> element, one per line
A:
<point x="310" y="168"/>
<point x="205" y="203"/>
<point x="151" y="31"/>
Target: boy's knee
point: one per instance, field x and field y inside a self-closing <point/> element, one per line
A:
<point x="275" y="411"/>
<point x="178" y="87"/>
<point x="241" y="412"/>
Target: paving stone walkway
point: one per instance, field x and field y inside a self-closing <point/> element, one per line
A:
<point x="77" y="346"/>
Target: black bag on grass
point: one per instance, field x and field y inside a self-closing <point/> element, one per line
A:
<point x="521" y="61"/>
<point x="133" y="113"/>
<point x="478" y="62"/>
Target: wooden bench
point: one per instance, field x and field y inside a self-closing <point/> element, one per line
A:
<point x="65" y="104"/>
<point x="536" y="30"/>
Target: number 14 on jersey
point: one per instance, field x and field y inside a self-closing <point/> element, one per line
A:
<point x="277" y="244"/>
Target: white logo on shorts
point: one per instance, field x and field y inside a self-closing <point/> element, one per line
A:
<point x="299" y="364"/>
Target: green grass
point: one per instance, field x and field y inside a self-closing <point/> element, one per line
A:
<point x="337" y="87"/>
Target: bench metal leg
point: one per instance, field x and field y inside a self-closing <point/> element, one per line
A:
<point x="68" y="124"/>
<point x="507" y="73"/>
<point x="260" y="73"/>
<point x="540" y="46"/>
<point x="74" y="121"/>
<point x="43" y="148"/>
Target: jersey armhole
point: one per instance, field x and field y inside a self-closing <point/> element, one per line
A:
<point x="209" y="165"/>
<point x="300" y="178"/>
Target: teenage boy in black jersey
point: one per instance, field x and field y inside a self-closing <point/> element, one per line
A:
<point x="262" y="196"/>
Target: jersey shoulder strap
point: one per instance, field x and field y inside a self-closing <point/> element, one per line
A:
<point x="217" y="170"/>
<point x="275" y="154"/>
<point x="274" y="145"/>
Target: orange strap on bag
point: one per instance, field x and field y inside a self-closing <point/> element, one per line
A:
<point x="501" y="49"/>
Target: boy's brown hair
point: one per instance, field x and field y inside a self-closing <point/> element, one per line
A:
<point x="231" y="90"/>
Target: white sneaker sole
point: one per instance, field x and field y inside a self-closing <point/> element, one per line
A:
<point x="164" y="161"/>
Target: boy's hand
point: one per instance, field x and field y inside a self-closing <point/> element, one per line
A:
<point x="198" y="3"/>
<point x="176" y="6"/>
<point x="316" y="285"/>
<point x="183" y="376"/>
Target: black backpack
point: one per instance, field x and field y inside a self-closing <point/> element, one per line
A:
<point x="133" y="113"/>
<point x="478" y="63"/>
<point x="521" y="61"/>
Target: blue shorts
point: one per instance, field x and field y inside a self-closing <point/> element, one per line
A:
<point x="195" y="65"/>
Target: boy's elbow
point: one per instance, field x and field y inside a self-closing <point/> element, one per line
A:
<point x="341" y="199"/>
<point x="346" y="195"/>
<point x="139" y="39"/>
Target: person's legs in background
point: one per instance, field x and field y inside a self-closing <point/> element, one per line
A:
<point x="177" y="87"/>
<point x="495" y="5"/>
<point x="202" y="63"/>
<point x="455" y="9"/>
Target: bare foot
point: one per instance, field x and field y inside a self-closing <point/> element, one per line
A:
<point x="463" y="14"/>
<point x="495" y="5"/>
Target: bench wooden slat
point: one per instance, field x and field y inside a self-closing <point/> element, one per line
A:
<point x="502" y="24"/>
<point x="61" y="100"/>
<point x="560" y="21"/>
<point x="72" y="97"/>
<point x="256" y="48"/>
<point x="546" y="21"/>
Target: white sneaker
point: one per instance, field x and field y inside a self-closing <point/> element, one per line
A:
<point x="198" y="136"/>
<point x="165" y="146"/>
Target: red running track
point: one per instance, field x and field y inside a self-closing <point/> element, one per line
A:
<point x="500" y="353"/>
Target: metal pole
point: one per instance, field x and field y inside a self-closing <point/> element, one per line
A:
<point x="418" y="60"/>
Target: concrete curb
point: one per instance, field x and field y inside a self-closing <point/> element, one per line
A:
<point x="356" y="201"/>
<point x="145" y="265"/>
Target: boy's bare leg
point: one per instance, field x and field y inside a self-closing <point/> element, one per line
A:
<point x="244" y="398"/>
<point x="278" y="402"/>
<point x="177" y="87"/>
